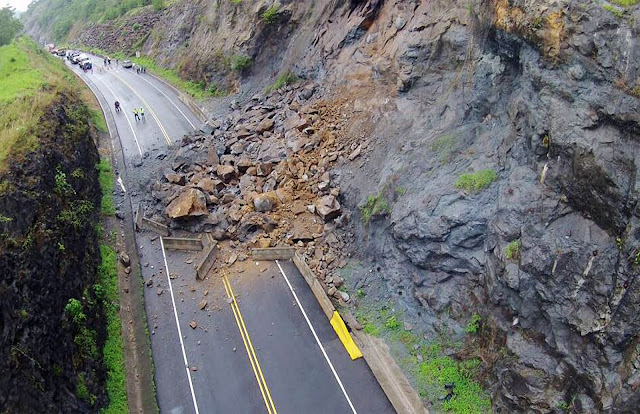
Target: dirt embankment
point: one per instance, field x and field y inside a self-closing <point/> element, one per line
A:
<point x="49" y="348"/>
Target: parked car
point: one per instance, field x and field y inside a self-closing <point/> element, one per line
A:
<point x="75" y="59"/>
<point x="71" y="54"/>
<point x="62" y="52"/>
<point x="127" y="64"/>
<point x="86" y="64"/>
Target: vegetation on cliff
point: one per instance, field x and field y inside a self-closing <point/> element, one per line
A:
<point x="62" y="345"/>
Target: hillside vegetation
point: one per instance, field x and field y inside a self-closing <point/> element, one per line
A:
<point x="61" y="15"/>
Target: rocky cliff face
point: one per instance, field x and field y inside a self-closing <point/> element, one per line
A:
<point x="536" y="100"/>
<point x="48" y="255"/>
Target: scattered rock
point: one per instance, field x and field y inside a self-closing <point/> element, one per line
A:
<point x="327" y="207"/>
<point x="263" y="203"/>
<point x="124" y="259"/>
<point x="202" y="304"/>
<point x="193" y="324"/>
<point x="225" y="172"/>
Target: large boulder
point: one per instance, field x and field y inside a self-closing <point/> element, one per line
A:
<point x="327" y="207"/>
<point x="191" y="202"/>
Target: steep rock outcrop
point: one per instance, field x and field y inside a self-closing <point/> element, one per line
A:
<point x="49" y="254"/>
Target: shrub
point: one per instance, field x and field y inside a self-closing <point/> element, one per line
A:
<point x="240" y="63"/>
<point x="512" y="251"/>
<point x="74" y="309"/>
<point x="475" y="182"/>
<point x="375" y="205"/>
<point x="62" y="187"/>
<point x="270" y="15"/>
<point x="474" y="324"/>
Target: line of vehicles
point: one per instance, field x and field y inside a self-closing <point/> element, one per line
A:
<point x="84" y="61"/>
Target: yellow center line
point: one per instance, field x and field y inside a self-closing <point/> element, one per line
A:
<point x="262" y="383"/>
<point x="255" y="372"/>
<point x="153" y="114"/>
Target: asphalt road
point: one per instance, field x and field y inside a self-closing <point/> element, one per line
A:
<point x="250" y="349"/>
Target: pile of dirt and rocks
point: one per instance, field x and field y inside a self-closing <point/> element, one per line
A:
<point x="261" y="177"/>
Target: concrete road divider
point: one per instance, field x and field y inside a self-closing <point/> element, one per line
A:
<point x="155" y="227"/>
<point x="142" y="223"/>
<point x="139" y="215"/>
<point x="314" y="284"/>
<point x="182" y="243"/>
<point x="207" y="260"/>
<point x="272" y="253"/>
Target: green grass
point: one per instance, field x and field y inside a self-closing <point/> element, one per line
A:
<point x="476" y="182"/>
<point x="105" y="176"/>
<point x="113" y="348"/>
<point x="512" y="251"/>
<point x="375" y="205"/>
<point x="429" y="363"/>
<point x="30" y="80"/>
<point x="468" y="396"/>
<point x="613" y="9"/>
<point x="286" y="78"/>
<point x="625" y="3"/>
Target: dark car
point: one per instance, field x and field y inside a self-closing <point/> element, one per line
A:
<point x="127" y="64"/>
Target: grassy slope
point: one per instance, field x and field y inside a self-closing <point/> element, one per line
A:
<point x="30" y="79"/>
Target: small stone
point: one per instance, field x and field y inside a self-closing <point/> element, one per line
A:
<point x="193" y="324"/>
<point x="408" y="326"/>
<point x="160" y="290"/>
<point x="344" y="295"/>
<point x="194" y="368"/>
<point x="232" y="259"/>
<point x="205" y="293"/>
<point x="332" y="291"/>
<point x="202" y="304"/>
<point x="127" y="270"/>
<point x="149" y="282"/>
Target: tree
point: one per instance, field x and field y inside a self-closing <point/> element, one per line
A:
<point x="9" y="25"/>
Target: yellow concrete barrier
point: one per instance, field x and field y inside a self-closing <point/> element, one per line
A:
<point x="345" y="336"/>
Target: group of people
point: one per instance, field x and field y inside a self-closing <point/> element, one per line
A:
<point x="141" y="69"/>
<point x="138" y="113"/>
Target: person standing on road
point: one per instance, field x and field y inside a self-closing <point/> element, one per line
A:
<point x="135" y="114"/>
<point x="142" y="113"/>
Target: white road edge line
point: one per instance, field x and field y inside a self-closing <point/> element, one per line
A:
<point x="175" y="313"/>
<point x="172" y="103"/>
<point x="135" y="137"/>
<point x="313" y="331"/>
